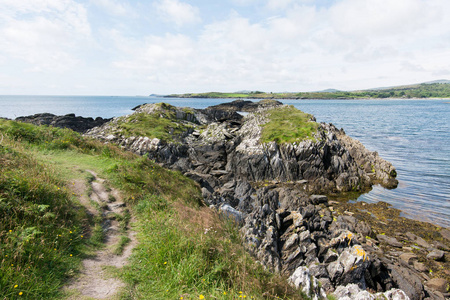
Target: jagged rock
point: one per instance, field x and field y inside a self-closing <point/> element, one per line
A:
<point x="407" y="281"/>
<point x="245" y="105"/>
<point x="274" y="190"/>
<point x="70" y="121"/>
<point x="353" y="292"/>
<point x="349" y="267"/>
<point x="232" y="213"/>
<point x="302" y="278"/>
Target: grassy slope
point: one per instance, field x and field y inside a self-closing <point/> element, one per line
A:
<point x="185" y="249"/>
<point x="288" y="125"/>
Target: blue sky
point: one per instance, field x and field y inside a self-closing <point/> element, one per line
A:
<point x="112" y="47"/>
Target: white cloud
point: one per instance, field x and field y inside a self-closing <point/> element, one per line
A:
<point x="359" y="18"/>
<point x="45" y="34"/>
<point x="284" y="45"/>
<point x="177" y="12"/>
<point x="113" y="7"/>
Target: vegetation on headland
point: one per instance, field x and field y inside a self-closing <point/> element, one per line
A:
<point x="185" y="249"/>
<point x="288" y="125"/>
<point x="424" y="90"/>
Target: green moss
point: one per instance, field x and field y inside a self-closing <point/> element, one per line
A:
<point x="287" y="125"/>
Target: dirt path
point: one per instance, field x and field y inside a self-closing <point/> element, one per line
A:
<point x="93" y="281"/>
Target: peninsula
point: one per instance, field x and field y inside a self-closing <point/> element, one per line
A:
<point x="433" y="89"/>
<point x="178" y="176"/>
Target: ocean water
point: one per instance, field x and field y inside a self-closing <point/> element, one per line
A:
<point x="414" y="135"/>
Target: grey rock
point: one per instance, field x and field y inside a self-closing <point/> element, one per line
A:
<point x="353" y="292"/>
<point x="232" y="213"/>
<point x="302" y="278"/>
<point x="407" y="281"/>
<point x="391" y="241"/>
<point x="418" y="240"/>
<point x="292" y="240"/>
<point x="317" y="199"/>
<point x="330" y="256"/>
<point x="363" y="228"/>
<point x="436" y="254"/>
<point x="79" y="124"/>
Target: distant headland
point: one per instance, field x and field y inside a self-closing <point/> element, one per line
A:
<point x="431" y="89"/>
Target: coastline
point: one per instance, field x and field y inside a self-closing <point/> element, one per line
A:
<point x="383" y="234"/>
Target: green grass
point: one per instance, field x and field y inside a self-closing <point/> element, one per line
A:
<point x="41" y="227"/>
<point x="123" y="241"/>
<point x="174" y="257"/>
<point x="288" y="125"/>
<point x="161" y="124"/>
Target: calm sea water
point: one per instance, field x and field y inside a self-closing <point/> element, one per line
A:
<point x="414" y="135"/>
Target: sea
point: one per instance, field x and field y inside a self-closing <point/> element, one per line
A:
<point x="414" y="135"/>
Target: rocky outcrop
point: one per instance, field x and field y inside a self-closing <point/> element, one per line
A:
<point x="79" y="124"/>
<point x="245" y="105"/>
<point x="276" y="192"/>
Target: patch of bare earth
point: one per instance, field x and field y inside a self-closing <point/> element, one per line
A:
<point x="93" y="280"/>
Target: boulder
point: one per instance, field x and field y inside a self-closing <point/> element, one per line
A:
<point x="354" y="292"/>
<point x="436" y="254"/>
<point x="407" y="281"/>
<point x="438" y="284"/>
<point x="391" y="241"/>
<point x="302" y="279"/>
<point x="349" y="267"/>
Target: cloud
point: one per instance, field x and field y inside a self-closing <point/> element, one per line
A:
<point x="284" y="45"/>
<point x="45" y="34"/>
<point x="113" y="7"/>
<point x="177" y="12"/>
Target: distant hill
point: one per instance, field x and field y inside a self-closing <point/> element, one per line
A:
<point x="432" y="89"/>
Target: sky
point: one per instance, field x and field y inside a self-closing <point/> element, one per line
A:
<point x="132" y="47"/>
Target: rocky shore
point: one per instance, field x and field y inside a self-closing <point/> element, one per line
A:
<point x="284" y="197"/>
<point x="79" y="124"/>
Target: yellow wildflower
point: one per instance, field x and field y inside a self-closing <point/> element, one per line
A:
<point x="20" y="294"/>
<point x="201" y="297"/>
<point x="16" y="286"/>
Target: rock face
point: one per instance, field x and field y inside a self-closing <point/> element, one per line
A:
<point x="70" y="121"/>
<point x="276" y="191"/>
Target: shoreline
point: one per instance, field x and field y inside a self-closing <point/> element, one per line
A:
<point x="378" y="228"/>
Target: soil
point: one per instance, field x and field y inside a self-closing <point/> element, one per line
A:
<point x="94" y="280"/>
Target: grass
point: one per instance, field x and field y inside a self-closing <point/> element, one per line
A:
<point x="123" y="241"/>
<point x="288" y="125"/>
<point x="161" y="124"/>
<point x="184" y="248"/>
<point x="41" y="227"/>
